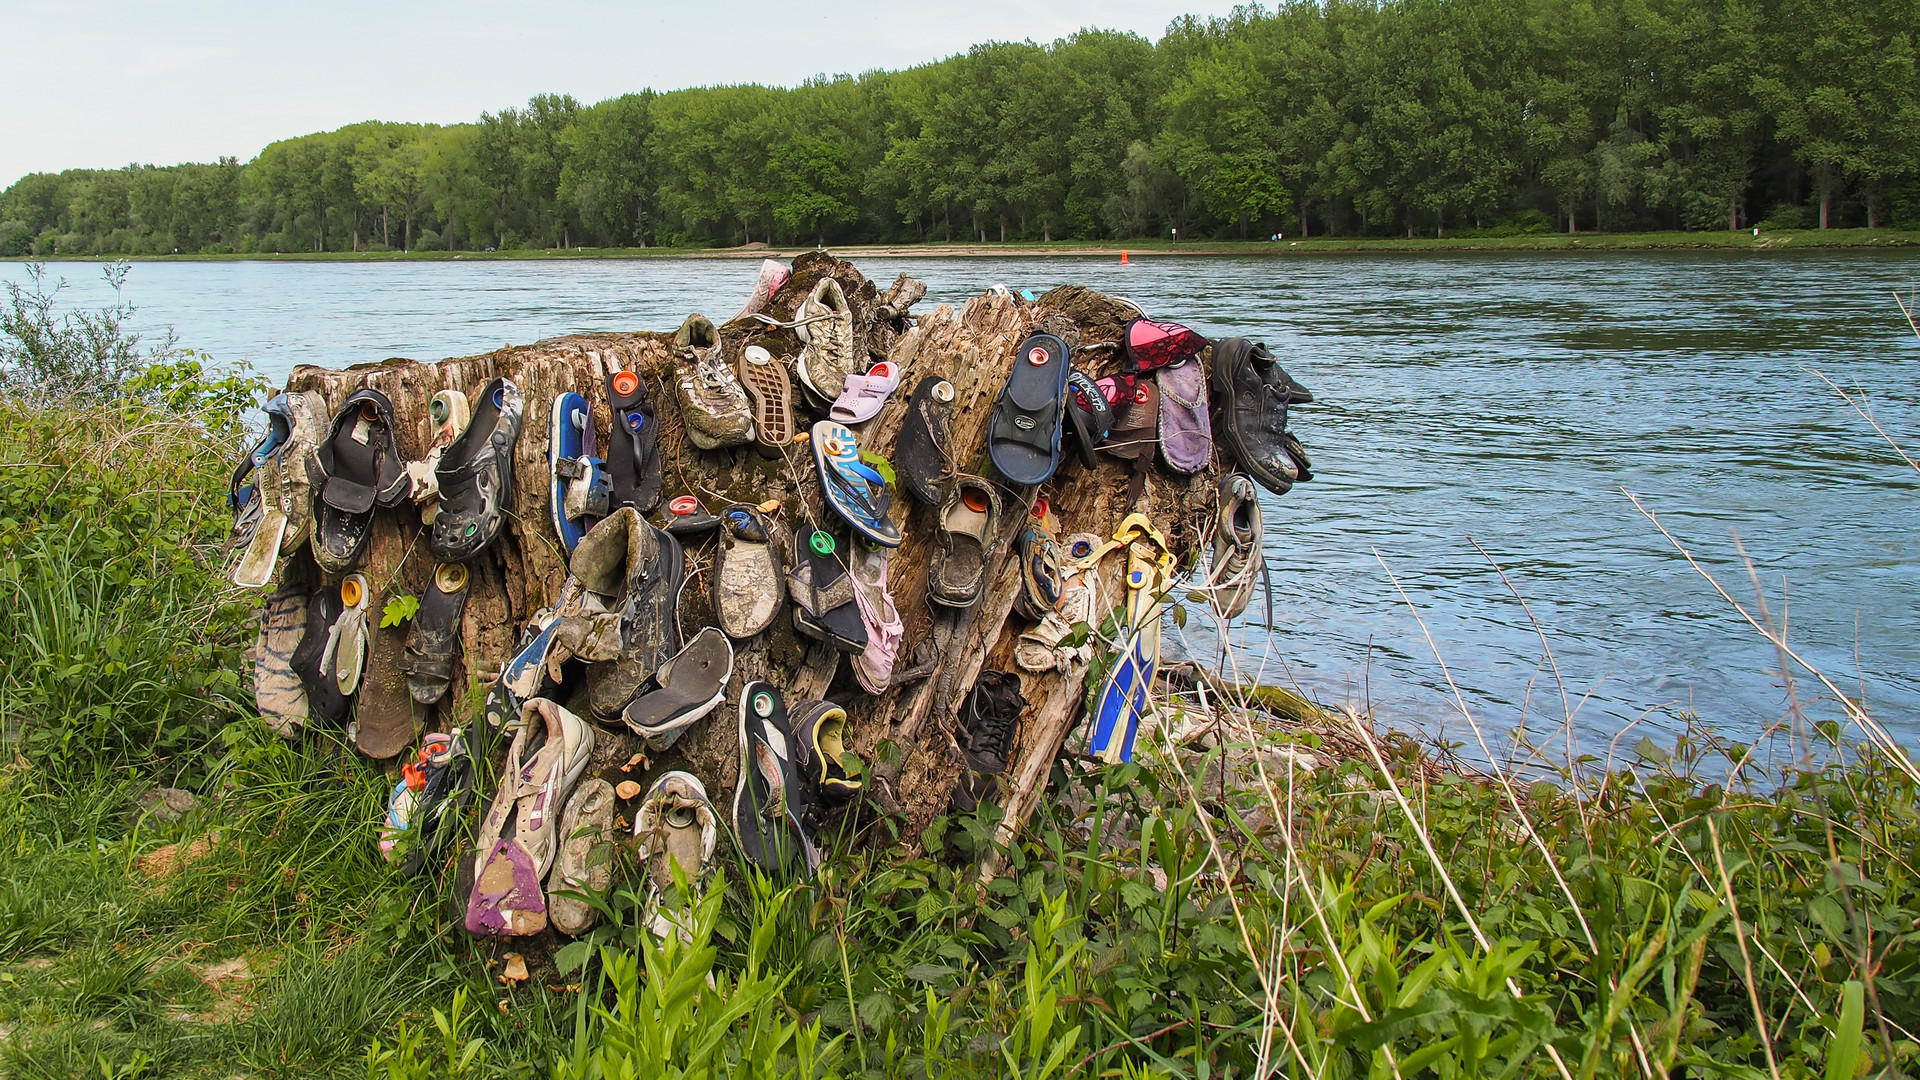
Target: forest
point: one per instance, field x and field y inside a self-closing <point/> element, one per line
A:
<point x="1323" y="117"/>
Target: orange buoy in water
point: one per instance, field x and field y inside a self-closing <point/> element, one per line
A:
<point x="1123" y="258"/>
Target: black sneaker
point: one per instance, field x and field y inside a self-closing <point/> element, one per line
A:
<point x="992" y="714"/>
<point x="820" y="753"/>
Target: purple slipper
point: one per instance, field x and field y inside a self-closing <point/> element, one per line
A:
<point x="1186" y="436"/>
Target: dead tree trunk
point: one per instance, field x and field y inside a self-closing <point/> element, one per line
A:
<point x="908" y="735"/>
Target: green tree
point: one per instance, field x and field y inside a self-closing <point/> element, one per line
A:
<point x="812" y="186"/>
<point x="608" y="174"/>
<point x="1221" y="139"/>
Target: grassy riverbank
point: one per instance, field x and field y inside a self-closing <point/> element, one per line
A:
<point x="1272" y="898"/>
<point x="1531" y="242"/>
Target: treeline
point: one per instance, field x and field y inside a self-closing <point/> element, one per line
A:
<point x="1347" y="116"/>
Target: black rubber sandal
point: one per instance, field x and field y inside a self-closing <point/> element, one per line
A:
<point x="433" y="639"/>
<point x="921" y="451"/>
<point x="633" y="459"/>
<point x="824" y="607"/>
<point x="360" y="469"/>
<point x="1023" y="439"/>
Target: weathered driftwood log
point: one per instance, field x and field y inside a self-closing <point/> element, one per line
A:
<point x="914" y="772"/>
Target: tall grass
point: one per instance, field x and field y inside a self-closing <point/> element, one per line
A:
<point x="120" y="643"/>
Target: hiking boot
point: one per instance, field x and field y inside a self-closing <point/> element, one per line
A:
<point x="825" y="323"/>
<point x="1237" y="536"/>
<point x="716" y="409"/>
<point x="1251" y="395"/>
<point x="992" y="715"/>
<point x="676" y="828"/>
<point x="635" y="569"/>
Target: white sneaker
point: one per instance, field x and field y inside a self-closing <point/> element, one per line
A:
<point x="825" y="324"/>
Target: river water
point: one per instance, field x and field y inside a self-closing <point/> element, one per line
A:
<point x="1503" y="401"/>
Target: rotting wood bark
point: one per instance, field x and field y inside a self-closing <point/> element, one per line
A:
<point x="909" y="735"/>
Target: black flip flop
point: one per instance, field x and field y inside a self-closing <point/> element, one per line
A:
<point x="1023" y="438"/>
<point x="433" y="639"/>
<point x="921" y="451"/>
<point x="824" y="607"/>
<point x="769" y="803"/>
<point x="633" y="460"/>
<point x="325" y="702"/>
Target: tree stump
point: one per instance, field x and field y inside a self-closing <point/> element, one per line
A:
<point x="913" y="773"/>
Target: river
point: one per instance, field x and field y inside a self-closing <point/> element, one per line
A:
<point x="1498" y="400"/>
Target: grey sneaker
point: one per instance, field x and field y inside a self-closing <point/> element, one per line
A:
<point x="825" y="324"/>
<point x="712" y="401"/>
<point x="584" y="863"/>
<point x="1237" y="536"/>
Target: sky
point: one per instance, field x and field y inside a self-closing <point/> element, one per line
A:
<point x="103" y="84"/>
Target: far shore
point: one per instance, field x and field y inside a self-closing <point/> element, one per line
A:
<point x="1338" y="245"/>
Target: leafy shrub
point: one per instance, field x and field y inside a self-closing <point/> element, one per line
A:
<point x="1785" y="216"/>
<point x="120" y="644"/>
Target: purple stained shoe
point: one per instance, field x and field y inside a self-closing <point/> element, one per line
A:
<point x="1186" y="434"/>
<point x="518" y="839"/>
